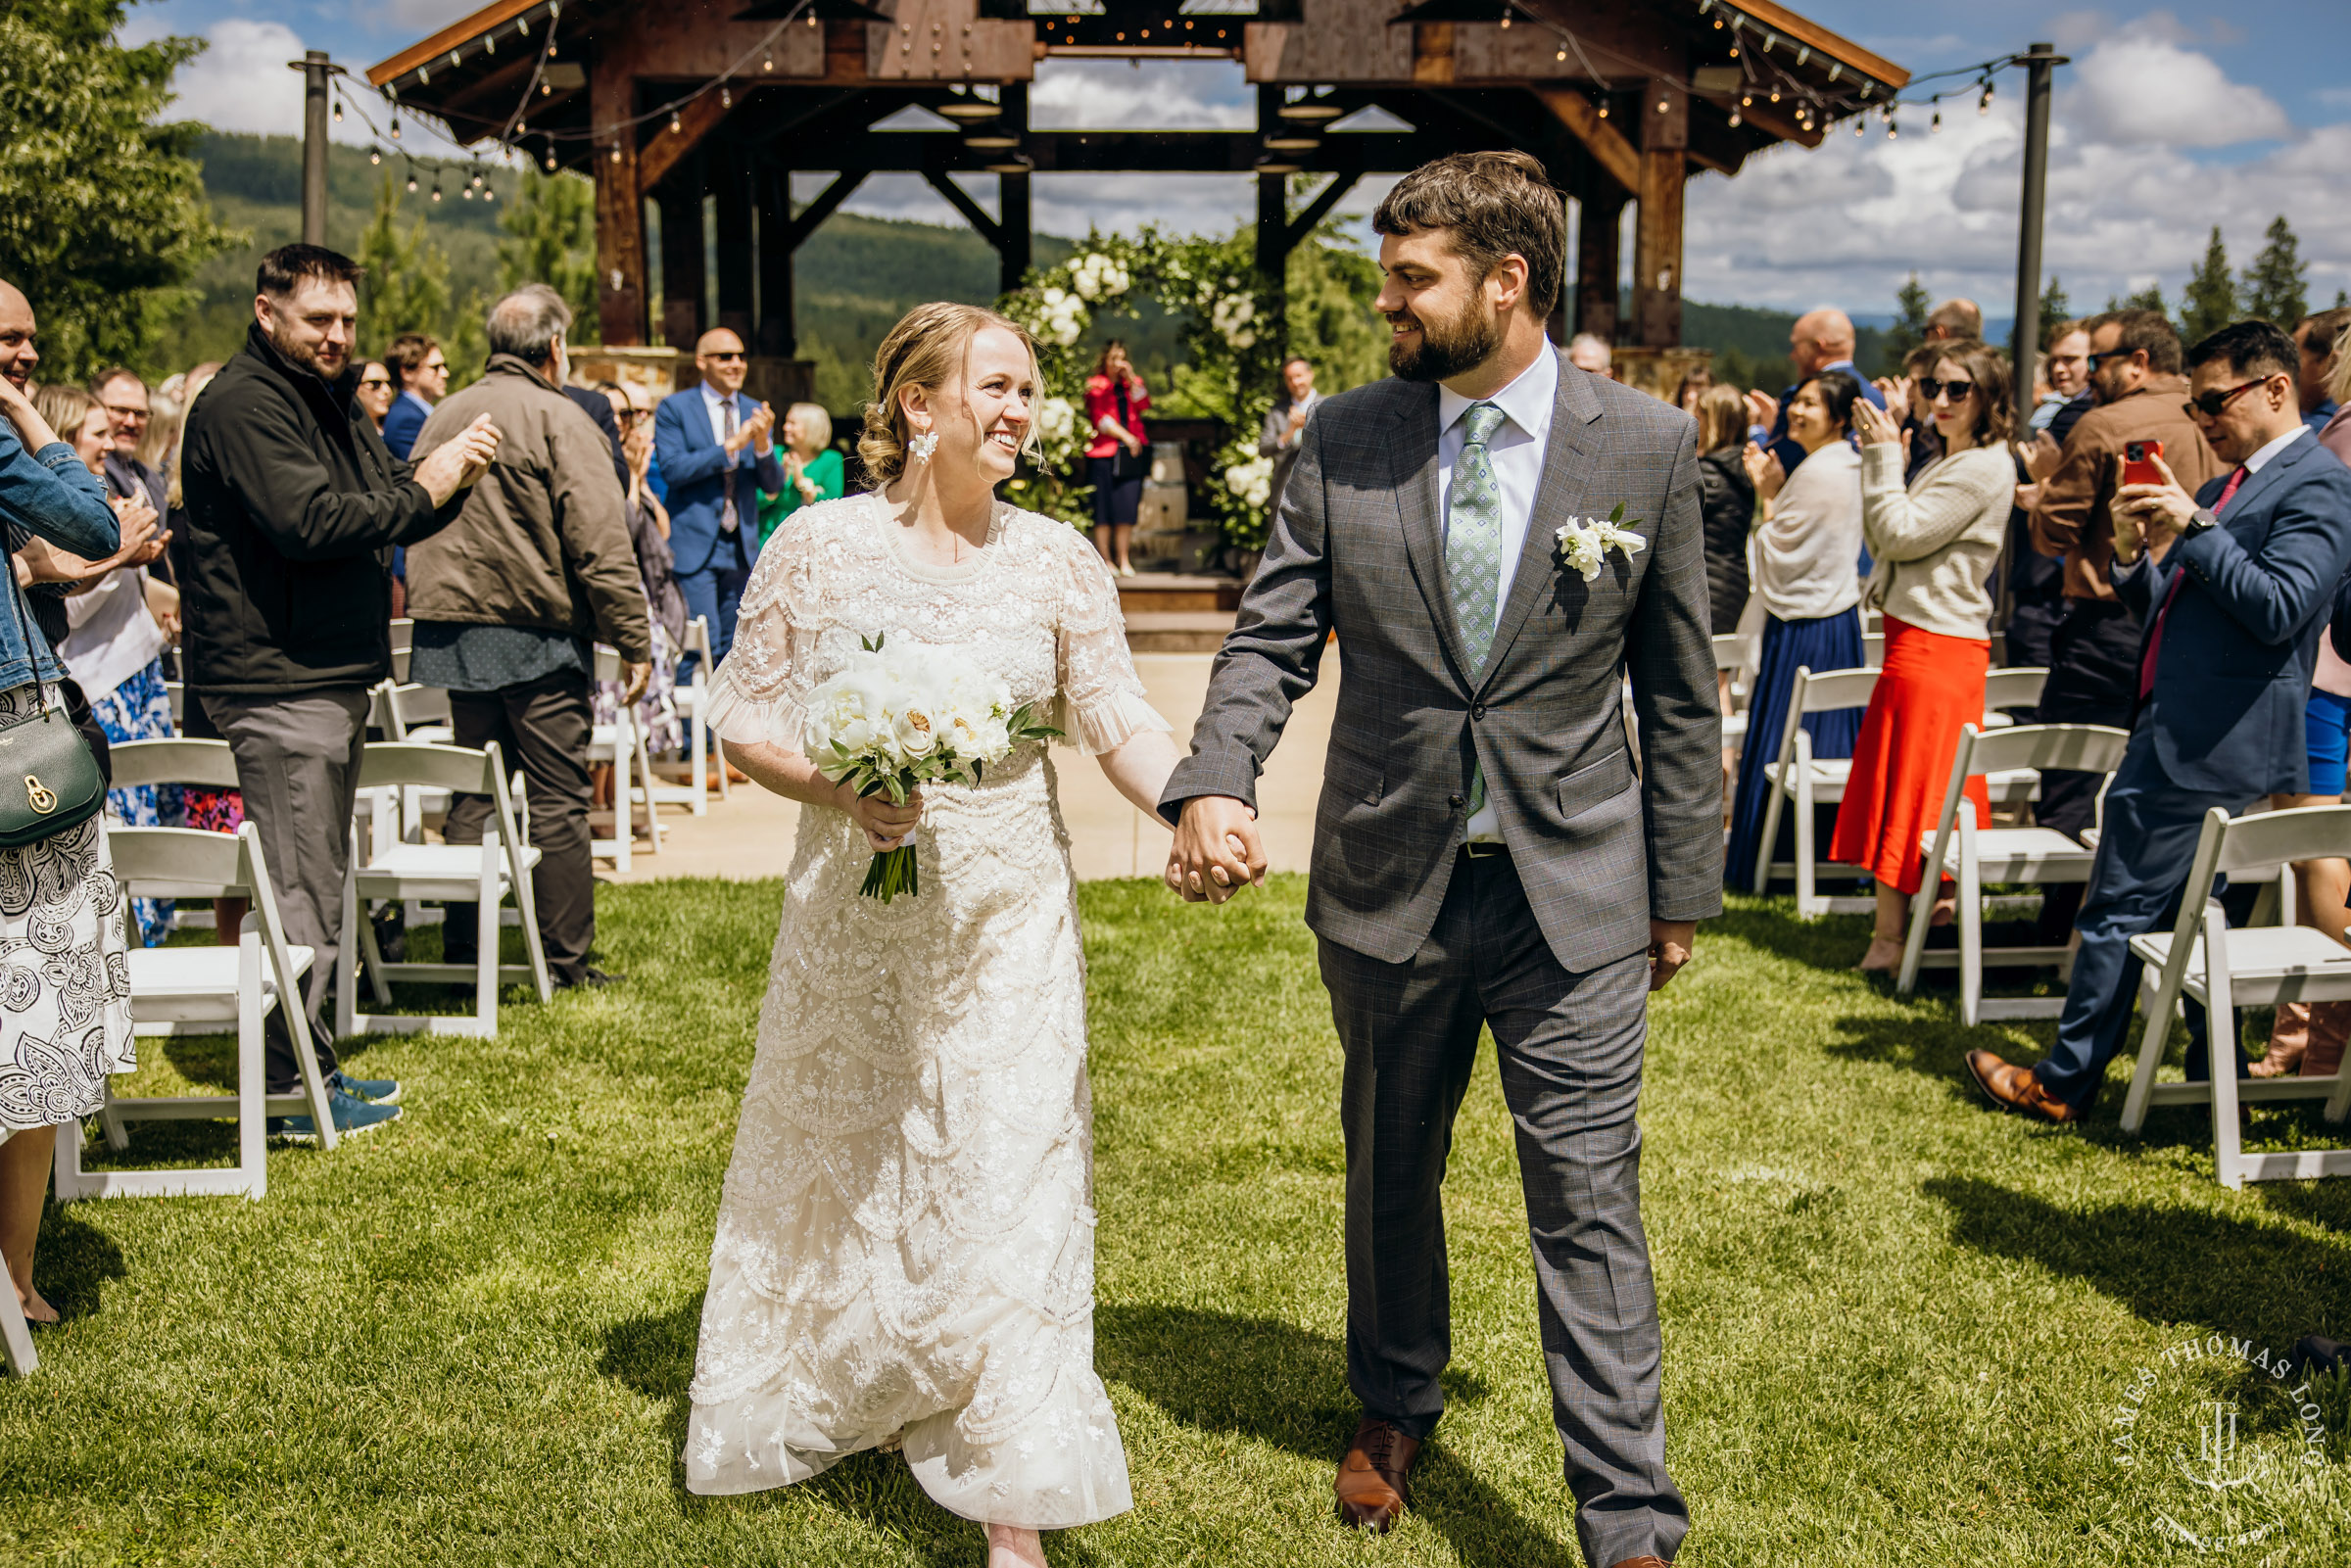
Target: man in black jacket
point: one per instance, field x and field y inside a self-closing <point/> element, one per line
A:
<point x="293" y="508"/>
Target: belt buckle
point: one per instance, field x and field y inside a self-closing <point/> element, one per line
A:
<point x="1481" y="849"/>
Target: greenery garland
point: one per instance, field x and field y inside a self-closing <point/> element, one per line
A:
<point x="1228" y="372"/>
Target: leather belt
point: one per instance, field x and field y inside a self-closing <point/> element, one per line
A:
<point x="1484" y="851"/>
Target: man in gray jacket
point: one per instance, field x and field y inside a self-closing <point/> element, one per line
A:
<point x="1486" y="853"/>
<point x="1285" y="425"/>
<point x="508" y="601"/>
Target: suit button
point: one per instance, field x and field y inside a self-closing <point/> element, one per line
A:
<point x="1457" y="803"/>
<point x="1478" y="712"/>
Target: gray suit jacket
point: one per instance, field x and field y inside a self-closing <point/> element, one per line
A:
<point x="1270" y="445"/>
<point x="1358" y="549"/>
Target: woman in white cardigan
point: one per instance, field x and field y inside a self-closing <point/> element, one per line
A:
<point x="1807" y="574"/>
<point x="1936" y="543"/>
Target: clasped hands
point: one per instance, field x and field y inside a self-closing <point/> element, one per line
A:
<point x="752" y="431"/>
<point x="1218" y="853"/>
<point x="2150" y="516"/>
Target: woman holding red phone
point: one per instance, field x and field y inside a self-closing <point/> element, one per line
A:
<point x="1934" y="543"/>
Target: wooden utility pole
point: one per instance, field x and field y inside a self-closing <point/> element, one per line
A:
<point x="2038" y="62"/>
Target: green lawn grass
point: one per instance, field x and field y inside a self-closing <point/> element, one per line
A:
<point x="1896" y="1327"/>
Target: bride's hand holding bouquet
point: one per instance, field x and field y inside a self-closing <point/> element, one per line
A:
<point x="896" y="720"/>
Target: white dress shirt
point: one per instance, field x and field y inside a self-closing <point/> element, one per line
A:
<point x="1516" y="453"/>
<point x="2261" y="459"/>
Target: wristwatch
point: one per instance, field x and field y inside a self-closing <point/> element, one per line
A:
<point x="2197" y="524"/>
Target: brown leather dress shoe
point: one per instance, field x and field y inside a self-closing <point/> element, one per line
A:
<point x="1371" y="1484"/>
<point x="2015" y="1089"/>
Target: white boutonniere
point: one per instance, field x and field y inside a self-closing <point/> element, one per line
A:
<point x="1584" y="543"/>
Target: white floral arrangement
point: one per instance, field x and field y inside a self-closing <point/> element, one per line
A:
<point x="1062" y="318"/>
<point x="1056" y="420"/>
<point x="1584" y="543"/>
<point x="1252" y="481"/>
<point x="1233" y="315"/>
<point x="1096" y="277"/>
<point x="896" y="719"/>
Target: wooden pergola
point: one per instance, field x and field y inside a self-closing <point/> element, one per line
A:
<point x="1622" y="100"/>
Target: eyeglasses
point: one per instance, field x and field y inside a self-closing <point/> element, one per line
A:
<point x="2210" y="404"/>
<point x="1935" y="390"/>
<point x="126" y="413"/>
<point x="722" y="356"/>
<point x="628" y="416"/>
<point x="374" y="381"/>
<point x="436" y="363"/>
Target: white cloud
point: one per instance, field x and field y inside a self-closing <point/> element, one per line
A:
<point x="241" y="82"/>
<point x="1143" y="95"/>
<point x="2145" y="90"/>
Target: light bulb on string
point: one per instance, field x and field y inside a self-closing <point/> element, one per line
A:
<point x="1984" y="104"/>
<point x="1604" y="107"/>
<point x="551" y="158"/>
<point x="396" y="127"/>
<point x="436" y="187"/>
<point x="1562" y="55"/>
<point x="677" y="126"/>
<point x="1746" y="100"/>
<point x="1935" y="124"/>
<point x="726" y="98"/>
<point x="769" y="64"/>
<point x="338" y="111"/>
<point x="1894" y="130"/>
<point x="616" y="152"/>
<point x="489" y="193"/>
<point x="465" y="191"/>
<point x="1737" y="120"/>
<point x="375" y="155"/>
<point x="411" y="181"/>
<point x="1775" y="95"/>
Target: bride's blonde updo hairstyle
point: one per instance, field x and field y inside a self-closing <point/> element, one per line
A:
<point x="927" y="348"/>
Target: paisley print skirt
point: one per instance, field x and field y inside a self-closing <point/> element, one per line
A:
<point x="65" y="973"/>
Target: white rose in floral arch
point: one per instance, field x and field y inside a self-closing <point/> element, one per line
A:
<point x="1056" y="419"/>
<point x="1252" y="481"/>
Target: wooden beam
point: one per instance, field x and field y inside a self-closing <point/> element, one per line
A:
<point x="738" y="255"/>
<point x="1600" y="138"/>
<point x="1779" y="20"/>
<point x="620" y="268"/>
<point x="987" y="227"/>
<point x="816" y="212"/>
<point x="1432" y="51"/>
<point x="779" y="326"/>
<point x="685" y="263"/>
<point x="1329" y="197"/>
<point x="1767" y="116"/>
<point x="497" y="15"/>
<point x="1657" y="250"/>
<point x="694" y="121"/>
<point x="1599" y="249"/>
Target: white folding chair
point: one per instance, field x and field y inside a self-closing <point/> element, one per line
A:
<point x="622" y="743"/>
<point x="2003" y="690"/>
<point x="207" y="764"/>
<point x="1797" y="777"/>
<point x="1973" y="856"/>
<point x="2201" y="959"/>
<point x="403" y="644"/>
<point x="464" y="873"/>
<point x="15" y="1334"/>
<point x="1873" y="649"/>
<point x="1735" y="656"/>
<point x="177" y="696"/>
<point x="198" y="990"/>
<point x="692" y="699"/>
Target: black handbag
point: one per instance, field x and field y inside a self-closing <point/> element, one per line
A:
<point x="48" y="780"/>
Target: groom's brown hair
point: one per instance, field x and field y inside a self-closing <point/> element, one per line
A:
<point x="1492" y="204"/>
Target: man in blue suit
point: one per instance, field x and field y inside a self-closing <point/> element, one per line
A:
<point x="700" y="437"/>
<point x="2234" y="585"/>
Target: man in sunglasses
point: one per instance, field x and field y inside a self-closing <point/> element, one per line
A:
<point x="2136" y="377"/>
<point x="717" y="452"/>
<point x="2235" y="584"/>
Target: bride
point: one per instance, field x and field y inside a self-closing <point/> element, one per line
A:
<point x="904" y="1254"/>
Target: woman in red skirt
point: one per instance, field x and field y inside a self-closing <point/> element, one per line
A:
<point x="1935" y="544"/>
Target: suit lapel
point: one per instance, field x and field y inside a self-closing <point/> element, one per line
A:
<point x="1412" y="456"/>
<point x="2249" y="494"/>
<point x="1567" y="458"/>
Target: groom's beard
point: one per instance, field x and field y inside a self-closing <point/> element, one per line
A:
<point x="1446" y="348"/>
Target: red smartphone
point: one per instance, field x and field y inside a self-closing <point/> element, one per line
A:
<point x="2139" y="462"/>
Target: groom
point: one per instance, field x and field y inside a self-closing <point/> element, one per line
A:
<point x="1490" y="850"/>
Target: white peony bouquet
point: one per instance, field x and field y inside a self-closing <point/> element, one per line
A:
<point x="1584" y="543"/>
<point x="896" y="720"/>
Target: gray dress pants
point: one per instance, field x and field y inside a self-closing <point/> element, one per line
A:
<point x="298" y="767"/>
<point x="1570" y="1048"/>
<point x="541" y="727"/>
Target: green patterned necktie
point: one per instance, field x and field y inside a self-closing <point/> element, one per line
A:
<point x="1473" y="552"/>
<point x="1474" y="535"/>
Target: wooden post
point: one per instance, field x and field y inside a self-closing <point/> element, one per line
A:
<point x="779" y="333"/>
<point x="1014" y="254"/>
<point x="1598" y="253"/>
<point x="1658" y="231"/>
<point x="620" y="292"/>
<point x="684" y="269"/>
<point x="732" y="184"/>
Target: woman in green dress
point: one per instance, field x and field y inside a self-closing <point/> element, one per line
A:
<point x="812" y="469"/>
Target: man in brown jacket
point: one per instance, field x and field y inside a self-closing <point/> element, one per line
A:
<point x="2094" y="654"/>
<point x="508" y="601"/>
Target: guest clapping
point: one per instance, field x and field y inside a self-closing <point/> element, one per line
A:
<point x="1806" y="547"/>
<point x="1933" y="545"/>
<point x="812" y="470"/>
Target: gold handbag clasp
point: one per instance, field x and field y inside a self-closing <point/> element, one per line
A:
<point x="41" y="797"/>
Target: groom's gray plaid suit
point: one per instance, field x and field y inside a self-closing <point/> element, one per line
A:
<point x="1422" y="945"/>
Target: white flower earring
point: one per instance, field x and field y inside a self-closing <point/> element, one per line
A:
<point x="920" y="446"/>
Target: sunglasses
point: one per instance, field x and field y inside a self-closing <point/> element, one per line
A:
<point x="1933" y="391"/>
<point x="628" y="416"/>
<point x="374" y="381"/>
<point x="2093" y="360"/>
<point x="722" y="356"/>
<point x="2210" y="404"/>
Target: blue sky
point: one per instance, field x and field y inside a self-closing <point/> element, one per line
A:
<point x="2171" y="119"/>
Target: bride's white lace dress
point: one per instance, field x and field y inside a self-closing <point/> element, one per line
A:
<point x="905" y="1244"/>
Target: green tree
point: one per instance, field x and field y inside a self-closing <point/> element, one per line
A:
<point x="2209" y="302"/>
<point x="2149" y="298"/>
<point x="552" y="240"/>
<point x="2054" y="306"/>
<point x="407" y="286"/>
<point x="2277" y="286"/>
<point x="1909" y="328"/>
<point x="103" y="218"/>
<point x="1330" y="284"/>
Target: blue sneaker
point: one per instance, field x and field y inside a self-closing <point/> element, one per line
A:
<point x="375" y="1091"/>
<point x="352" y="1115"/>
